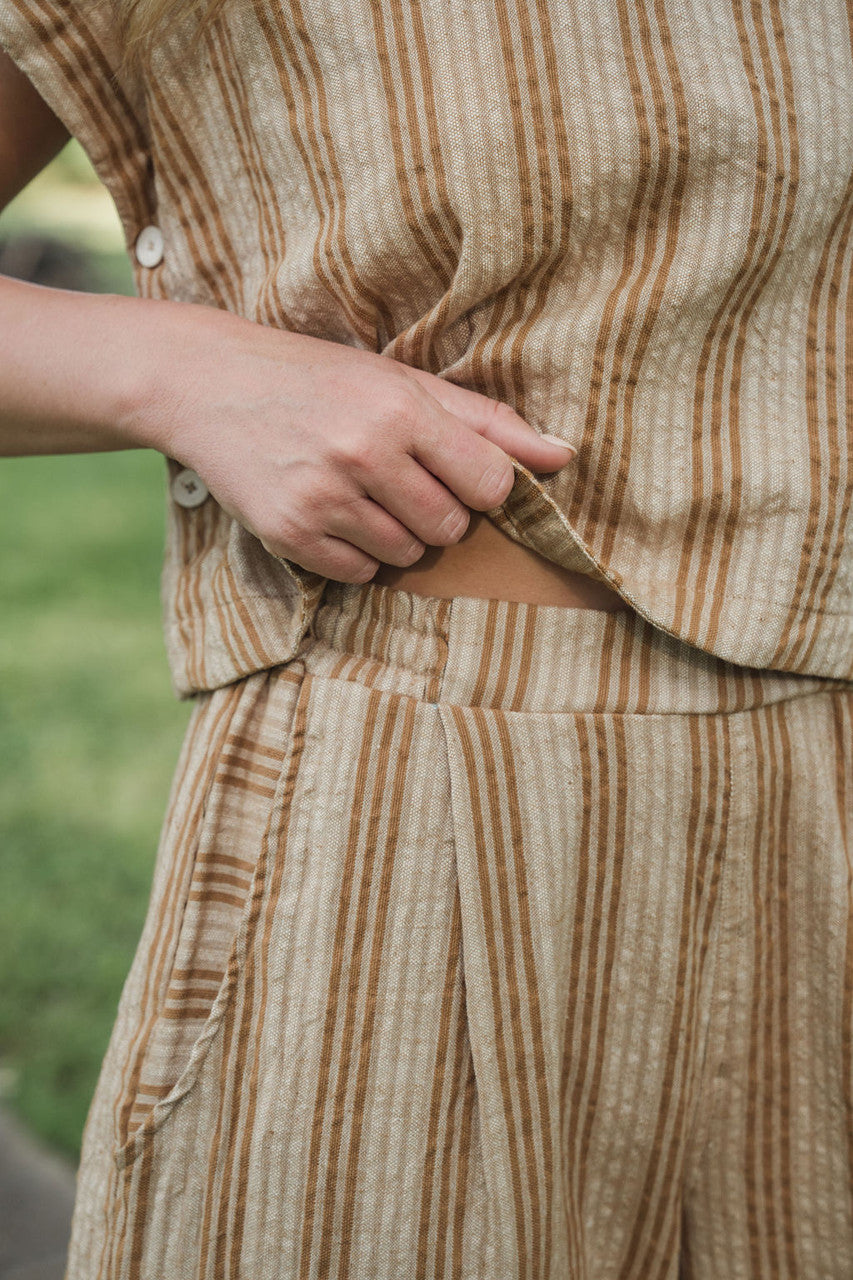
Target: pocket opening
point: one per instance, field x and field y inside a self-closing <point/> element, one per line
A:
<point x="211" y="914"/>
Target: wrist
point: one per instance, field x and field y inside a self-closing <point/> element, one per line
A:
<point x="144" y="389"/>
<point x="168" y="350"/>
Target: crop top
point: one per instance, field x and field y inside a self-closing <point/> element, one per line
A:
<point x="629" y="220"/>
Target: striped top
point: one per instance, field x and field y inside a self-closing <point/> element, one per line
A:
<point x="635" y="230"/>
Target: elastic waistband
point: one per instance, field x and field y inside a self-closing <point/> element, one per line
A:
<point x="527" y="657"/>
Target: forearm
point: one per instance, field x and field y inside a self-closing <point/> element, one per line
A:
<point x="76" y="368"/>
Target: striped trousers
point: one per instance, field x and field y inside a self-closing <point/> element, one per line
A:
<point x="489" y="940"/>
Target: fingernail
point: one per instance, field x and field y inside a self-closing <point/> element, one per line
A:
<point x="556" y="440"/>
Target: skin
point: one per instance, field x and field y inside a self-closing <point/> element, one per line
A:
<point x="339" y="459"/>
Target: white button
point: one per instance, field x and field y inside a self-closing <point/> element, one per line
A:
<point x="188" y="489"/>
<point x="149" y="247"/>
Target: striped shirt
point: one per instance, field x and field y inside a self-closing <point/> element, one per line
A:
<point x="634" y="227"/>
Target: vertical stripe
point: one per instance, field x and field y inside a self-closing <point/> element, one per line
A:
<point x="496" y="935"/>
<point x="818" y="569"/>
<point x="254" y="983"/>
<point x="386" y="810"/>
<point x="574" y="1041"/>
<point x="659" y="1207"/>
<point x="436" y="249"/>
<point x="271" y="232"/>
<point x="842" y="733"/>
<point x="768" y="1155"/>
<point x="607" y="897"/>
<point x="536" y="1050"/>
<point x="364" y="305"/>
<point x="784" y="771"/>
<point x="766" y="263"/>
<point x="730" y="324"/>
<point x="439" y="1084"/>
<point x="526" y="657"/>
<point x="658" y="189"/>
<point x="324" y="1107"/>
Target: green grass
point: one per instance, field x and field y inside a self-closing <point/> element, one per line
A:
<point x="89" y="736"/>
<point x="89" y="727"/>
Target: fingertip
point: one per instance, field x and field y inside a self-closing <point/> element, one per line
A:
<point x="561" y="444"/>
<point x="367" y="571"/>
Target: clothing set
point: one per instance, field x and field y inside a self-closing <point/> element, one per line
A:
<point x="489" y="939"/>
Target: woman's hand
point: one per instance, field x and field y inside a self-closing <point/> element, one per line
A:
<point x="334" y="457"/>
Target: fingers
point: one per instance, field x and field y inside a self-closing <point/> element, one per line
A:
<point x="343" y="536"/>
<point x="477" y="471"/>
<point x="420" y="503"/>
<point x="338" y="559"/>
<point x="370" y="527"/>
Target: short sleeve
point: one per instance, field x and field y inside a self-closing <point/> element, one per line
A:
<point x="69" y="51"/>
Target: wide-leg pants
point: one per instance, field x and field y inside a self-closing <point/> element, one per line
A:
<point x="489" y="940"/>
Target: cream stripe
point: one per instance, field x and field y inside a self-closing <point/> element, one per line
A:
<point x="357" y="879"/>
<point x="767" y="261"/>
<point x="493" y="964"/>
<point x="446" y="1030"/>
<point x="783" y="772"/>
<point x="763" y="836"/>
<point x="659" y="194"/>
<point x="535" y="1049"/>
<point x="607" y="894"/>
<point x="371" y="721"/>
<point x="271" y="306"/>
<point x="689" y="582"/>
<point x="839" y="416"/>
<point x="323" y="172"/>
<point x="659" y="1206"/>
<point x="254" y="978"/>
<point x="387" y="808"/>
<point x="842" y="732"/>
<point x="216" y="258"/>
<point x="574" y="1041"/>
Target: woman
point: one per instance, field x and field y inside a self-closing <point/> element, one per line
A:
<point x="500" y="925"/>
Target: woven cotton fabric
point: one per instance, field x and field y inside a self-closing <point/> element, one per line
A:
<point x="489" y="940"/>
<point x="630" y="221"/>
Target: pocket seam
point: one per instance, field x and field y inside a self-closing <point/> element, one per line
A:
<point x="126" y="1152"/>
<point x="123" y="1139"/>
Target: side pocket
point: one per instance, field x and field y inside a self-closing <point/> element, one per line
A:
<point x="193" y="969"/>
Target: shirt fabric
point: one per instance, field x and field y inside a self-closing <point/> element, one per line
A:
<point x="632" y="223"/>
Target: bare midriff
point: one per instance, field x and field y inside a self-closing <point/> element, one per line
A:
<point x="487" y="563"/>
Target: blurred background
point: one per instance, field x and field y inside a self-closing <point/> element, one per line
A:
<point x="89" y="727"/>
